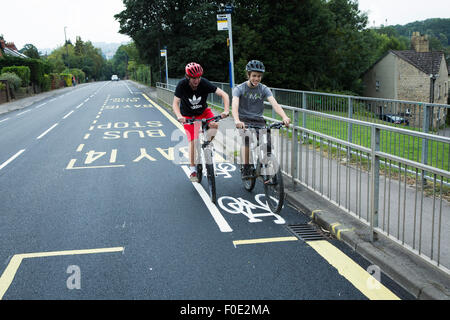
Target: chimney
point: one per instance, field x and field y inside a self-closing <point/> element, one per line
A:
<point x="419" y="43"/>
<point x="11" y="46"/>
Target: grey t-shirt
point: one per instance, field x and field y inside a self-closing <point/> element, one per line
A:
<point x="251" y="100"/>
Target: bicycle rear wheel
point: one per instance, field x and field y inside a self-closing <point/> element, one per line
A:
<point x="274" y="187"/>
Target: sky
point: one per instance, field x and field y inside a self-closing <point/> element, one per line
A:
<point x="42" y="23"/>
<point x="403" y="11"/>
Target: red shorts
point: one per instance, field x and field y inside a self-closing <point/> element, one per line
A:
<point x="193" y="129"/>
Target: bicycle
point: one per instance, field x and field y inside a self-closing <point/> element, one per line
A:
<point x="264" y="165"/>
<point x="206" y="153"/>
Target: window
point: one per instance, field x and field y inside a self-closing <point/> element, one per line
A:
<point x="377" y="85"/>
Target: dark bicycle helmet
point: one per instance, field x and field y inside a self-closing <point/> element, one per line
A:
<point x="255" y="65"/>
<point x="194" y="70"/>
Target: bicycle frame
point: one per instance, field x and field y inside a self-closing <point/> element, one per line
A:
<point x="206" y="150"/>
<point x="259" y="148"/>
<point x="204" y="143"/>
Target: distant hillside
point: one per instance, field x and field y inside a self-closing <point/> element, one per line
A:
<point x="435" y="28"/>
<point x="108" y="49"/>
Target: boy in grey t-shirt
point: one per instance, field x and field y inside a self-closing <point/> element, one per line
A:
<point x="248" y="104"/>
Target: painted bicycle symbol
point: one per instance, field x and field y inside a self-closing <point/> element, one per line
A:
<point x="224" y="169"/>
<point x="252" y="211"/>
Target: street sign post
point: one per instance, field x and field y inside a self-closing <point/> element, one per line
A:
<point x="223" y="24"/>
<point x="164" y="54"/>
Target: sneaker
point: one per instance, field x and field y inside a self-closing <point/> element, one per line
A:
<point x="193" y="177"/>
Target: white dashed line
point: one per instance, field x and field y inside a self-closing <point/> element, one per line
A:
<point x="47" y="131"/>
<point x="68" y="114"/>
<point x="23" y="112"/>
<point x="11" y="159"/>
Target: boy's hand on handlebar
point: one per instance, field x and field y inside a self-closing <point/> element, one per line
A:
<point x="240" y="125"/>
<point x="224" y="115"/>
<point x="286" y="121"/>
<point x="182" y="120"/>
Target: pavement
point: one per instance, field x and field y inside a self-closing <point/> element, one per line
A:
<point x="25" y="102"/>
<point x="417" y="276"/>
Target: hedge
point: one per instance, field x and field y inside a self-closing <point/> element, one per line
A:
<point x="37" y="67"/>
<point x="22" y="71"/>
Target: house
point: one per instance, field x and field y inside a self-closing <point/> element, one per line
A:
<point x="9" y="49"/>
<point x="411" y="75"/>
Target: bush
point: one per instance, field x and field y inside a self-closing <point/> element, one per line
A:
<point x="22" y="72"/>
<point x="56" y="81"/>
<point x="79" y="74"/>
<point x="13" y="80"/>
<point x="47" y="83"/>
<point x="67" y="79"/>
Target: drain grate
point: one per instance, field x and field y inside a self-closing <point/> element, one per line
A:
<point x="305" y="232"/>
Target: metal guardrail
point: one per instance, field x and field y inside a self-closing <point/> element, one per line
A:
<point x="376" y="176"/>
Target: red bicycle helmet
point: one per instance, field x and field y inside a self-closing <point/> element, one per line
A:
<point x="194" y="70"/>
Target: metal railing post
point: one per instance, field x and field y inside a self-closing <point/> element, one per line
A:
<point x="375" y="181"/>
<point x="294" y="149"/>
<point x="426" y="129"/>
<point x="350" y="116"/>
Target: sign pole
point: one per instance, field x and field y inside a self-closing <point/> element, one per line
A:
<point x="164" y="54"/>
<point x="224" y="23"/>
<point x="230" y="36"/>
<point x="167" y="71"/>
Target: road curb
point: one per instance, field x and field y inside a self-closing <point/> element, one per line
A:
<point x="28" y="101"/>
<point x="421" y="279"/>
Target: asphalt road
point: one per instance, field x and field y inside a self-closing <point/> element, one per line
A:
<point x="94" y="206"/>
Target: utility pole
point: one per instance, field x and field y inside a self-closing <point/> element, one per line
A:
<point x="67" y="50"/>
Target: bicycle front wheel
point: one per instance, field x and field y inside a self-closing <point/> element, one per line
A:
<point x="249" y="183"/>
<point x="199" y="172"/>
<point x="274" y="188"/>
<point x="211" y="182"/>
<point x="210" y="174"/>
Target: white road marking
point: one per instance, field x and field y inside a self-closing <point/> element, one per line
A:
<point x="215" y="213"/>
<point x="68" y="114"/>
<point x="47" y="131"/>
<point x="23" y="112"/>
<point x="11" y="159"/>
<point x="4" y="120"/>
<point x="42" y="104"/>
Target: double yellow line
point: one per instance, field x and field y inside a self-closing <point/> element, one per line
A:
<point x="350" y="270"/>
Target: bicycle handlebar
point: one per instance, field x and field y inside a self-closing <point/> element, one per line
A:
<point x="191" y="121"/>
<point x="276" y="125"/>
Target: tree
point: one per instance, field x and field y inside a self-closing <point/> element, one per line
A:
<point x="30" y="51"/>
